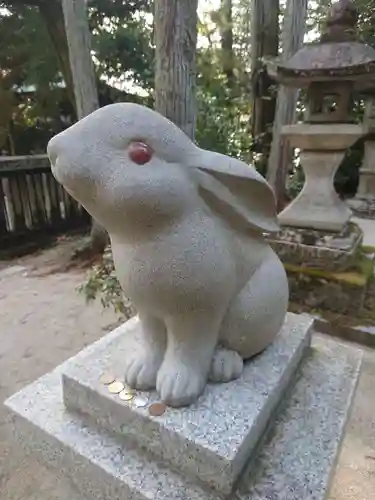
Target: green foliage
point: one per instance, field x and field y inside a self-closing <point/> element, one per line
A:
<point x="33" y="101"/>
<point x="366" y="22"/>
<point x="223" y="126"/>
<point x="122" y="38"/>
<point x="295" y="182"/>
<point x="102" y="283"/>
<point x="123" y="52"/>
<point x="27" y="60"/>
<point x="223" y="110"/>
<point x="224" y="107"/>
<point x="26" y="55"/>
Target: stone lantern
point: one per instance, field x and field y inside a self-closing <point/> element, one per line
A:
<point x="363" y="204"/>
<point x="330" y="71"/>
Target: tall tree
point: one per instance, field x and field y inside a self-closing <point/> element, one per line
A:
<point x="121" y="37"/>
<point x="281" y="153"/>
<point x="82" y="67"/>
<point x="52" y="15"/>
<point x="223" y="90"/>
<point x="35" y="102"/>
<point x="84" y="82"/>
<point x="175" y="27"/>
<point x="227" y="41"/>
<point x="265" y="44"/>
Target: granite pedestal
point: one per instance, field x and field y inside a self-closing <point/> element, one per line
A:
<point x="272" y="434"/>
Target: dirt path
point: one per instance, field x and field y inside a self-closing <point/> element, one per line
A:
<point x="43" y="321"/>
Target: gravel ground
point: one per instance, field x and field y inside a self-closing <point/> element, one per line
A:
<point x="43" y="321"/>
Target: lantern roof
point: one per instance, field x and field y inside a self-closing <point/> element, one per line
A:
<point x="338" y="56"/>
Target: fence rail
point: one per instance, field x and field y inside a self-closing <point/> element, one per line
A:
<point x="33" y="204"/>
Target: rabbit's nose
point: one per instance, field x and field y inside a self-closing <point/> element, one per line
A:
<point x="54" y="149"/>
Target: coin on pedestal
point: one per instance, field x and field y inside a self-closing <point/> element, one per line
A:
<point x="107" y="378"/>
<point x="140" y="401"/>
<point x="126" y="395"/>
<point x="157" y="409"/>
<point x="116" y="387"/>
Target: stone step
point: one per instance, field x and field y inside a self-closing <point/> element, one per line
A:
<point x="212" y="439"/>
<point x="300" y="451"/>
<point x="295" y="459"/>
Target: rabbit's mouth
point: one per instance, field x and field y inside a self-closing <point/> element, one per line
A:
<point x="62" y="176"/>
<point x="75" y="181"/>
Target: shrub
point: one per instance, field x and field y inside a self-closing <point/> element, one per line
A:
<point x="102" y="283"/>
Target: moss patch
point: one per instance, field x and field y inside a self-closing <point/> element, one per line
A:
<point x="368" y="249"/>
<point x="366" y="318"/>
<point x="358" y="275"/>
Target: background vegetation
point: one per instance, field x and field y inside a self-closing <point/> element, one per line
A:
<point x="37" y="98"/>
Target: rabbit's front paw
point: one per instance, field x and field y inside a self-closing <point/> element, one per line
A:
<point x="145" y="353"/>
<point x="141" y="369"/>
<point x="179" y="385"/>
<point x="226" y="365"/>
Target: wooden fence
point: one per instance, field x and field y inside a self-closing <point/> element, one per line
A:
<point x="33" y="205"/>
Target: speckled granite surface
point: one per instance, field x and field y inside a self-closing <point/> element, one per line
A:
<point x="212" y="439"/>
<point x="99" y="466"/>
<point x="295" y="461"/>
<point x="94" y="461"/>
<point x="299" y="456"/>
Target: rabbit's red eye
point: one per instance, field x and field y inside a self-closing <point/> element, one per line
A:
<point x="140" y="153"/>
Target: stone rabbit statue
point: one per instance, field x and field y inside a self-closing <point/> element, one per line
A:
<point x="186" y="227"/>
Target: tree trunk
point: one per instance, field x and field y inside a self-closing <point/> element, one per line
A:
<point x="227" y="41"/>
<point x="281" y="153"/>
<point x="175" y="23"/>
<point x="265" y="44"/>
<point x="84" y="81"/>
<point x="79" y="43"/>
<point x="53" y="17"/>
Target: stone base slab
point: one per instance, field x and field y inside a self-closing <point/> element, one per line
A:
<point x="295" y="461"/>
<point x="210" y="440"/>
<point x="360" y="334"/>
<point x="363" y="207"/>
<point x="299" y="455"/>
<point x="318" y="249"/>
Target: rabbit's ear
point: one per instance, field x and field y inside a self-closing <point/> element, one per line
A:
<point x="236" y="190"/>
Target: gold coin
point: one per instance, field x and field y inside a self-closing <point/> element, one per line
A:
<point x="116" y="387"/>
<point x="125" y="395"/>
<point x="140" y="401"/>
<point x="157" y="409"/>
<point x="107" y="378"/>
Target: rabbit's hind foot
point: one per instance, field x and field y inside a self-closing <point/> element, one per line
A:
<point x="226" y="365"/>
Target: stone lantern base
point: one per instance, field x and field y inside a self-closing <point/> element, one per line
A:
<point x="324" y="250"/>
<point x="363" y="205"/>
<point x="328" y="270"/>
<point x="322" y="147"/>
